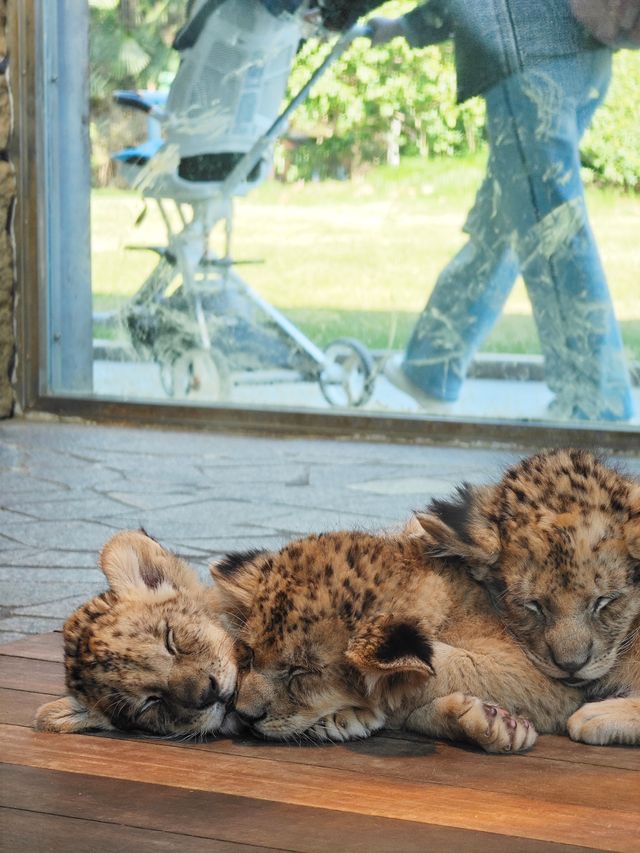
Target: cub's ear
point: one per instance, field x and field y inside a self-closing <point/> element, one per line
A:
<point x="236" y="577"/>
<point x="389" y="646"/>
<point x="68" y="715"/>
<point x="462" y="527"/>
<point x="632" y="527"/>
<point x="134" y="562"/>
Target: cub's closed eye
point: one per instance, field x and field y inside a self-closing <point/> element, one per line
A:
<point x="149" y="703"/>
<point x="296" y="672"/>
<point x="170" y="642"/>
<point x="602" y="602"/>
<point x="534" y="606"/>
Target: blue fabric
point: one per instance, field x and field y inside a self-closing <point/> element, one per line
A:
<point x="497" y="38"/>
<point x="277" y="7"/>
<point x="529" y="217"/>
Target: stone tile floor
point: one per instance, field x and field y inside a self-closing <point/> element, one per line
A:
<point x="65" y="488"/>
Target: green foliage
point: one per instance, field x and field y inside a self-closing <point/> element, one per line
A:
<point x="130" y="44"/>
<point x="375" y="103"/>
<point x="611" y="148"/>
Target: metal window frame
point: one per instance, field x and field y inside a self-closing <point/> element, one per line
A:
<point x="27" y="153"/>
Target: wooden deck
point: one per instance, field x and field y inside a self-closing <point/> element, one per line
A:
<point x="93" y="793"/>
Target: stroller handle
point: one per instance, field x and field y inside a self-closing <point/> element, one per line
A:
<point x="361" y="31"/>
<point x="254" y="155"/>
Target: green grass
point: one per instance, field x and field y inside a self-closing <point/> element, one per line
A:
<point x="360" y="257"/>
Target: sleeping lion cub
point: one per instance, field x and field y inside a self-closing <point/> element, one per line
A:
<point x="556" y="546"/>
<point x="149" y="654"/>
<point x="526" y="594"/>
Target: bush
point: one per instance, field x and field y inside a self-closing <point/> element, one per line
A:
<point x="373" y="106"/>
<point x="611" y="148"/>
<point x="377" y="103"/>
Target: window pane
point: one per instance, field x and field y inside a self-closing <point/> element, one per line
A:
<point x="473" y="165"/>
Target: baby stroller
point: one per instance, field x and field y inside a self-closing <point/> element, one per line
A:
<point x="210" y="140"/>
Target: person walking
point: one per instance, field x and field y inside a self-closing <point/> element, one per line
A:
<point x="542" y="76"/>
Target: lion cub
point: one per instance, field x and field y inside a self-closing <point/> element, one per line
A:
<point x="526" y="594"/>
<point x="149" y="654"/>
<point x="336" y="630"/>
<point x="556" y="546"/>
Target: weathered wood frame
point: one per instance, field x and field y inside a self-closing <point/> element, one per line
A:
<point x="33" y="327"/>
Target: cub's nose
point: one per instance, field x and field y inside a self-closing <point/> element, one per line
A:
<point x="212" y="693"/>
<point x="571" y="665"/>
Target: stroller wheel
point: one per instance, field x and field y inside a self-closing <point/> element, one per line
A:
<point x="347" y="376"/>
<point x="197" y="375"/>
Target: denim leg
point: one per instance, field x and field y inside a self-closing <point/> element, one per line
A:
<point x="467" y="300"/>
<point x="531" y="207"/>
<point x="535" y="120"/>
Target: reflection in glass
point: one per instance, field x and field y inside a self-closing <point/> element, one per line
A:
<point x="372" y="181"/>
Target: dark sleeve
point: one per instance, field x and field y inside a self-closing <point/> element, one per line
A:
<point x="341" y="14"/>
<point x="429" y="23"/>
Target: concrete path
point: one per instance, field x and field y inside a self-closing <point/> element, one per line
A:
<point x="480" y="398"/>
<point x="65" y="488"/>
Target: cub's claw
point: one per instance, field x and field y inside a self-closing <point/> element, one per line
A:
<point x="491" y="727"/>
<point x="347" y="724"/>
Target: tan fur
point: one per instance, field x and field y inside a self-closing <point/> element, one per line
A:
<point x="343" y="633"/>
<point x="339" y="624"/>
<point x="148" y="654"/>
<point x="567" y="581"/>
<point x="560" y="528"/>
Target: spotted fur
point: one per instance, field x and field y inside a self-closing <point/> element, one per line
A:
<point x="320" y="620"/>
<point x="556" y="545"/>
<point x="148" y="654"/>
<point x="335" y="635"/>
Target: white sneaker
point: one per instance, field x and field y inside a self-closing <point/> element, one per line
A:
<point x="393" y="371"/>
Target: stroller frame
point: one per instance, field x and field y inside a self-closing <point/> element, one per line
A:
<point x="212" y="303"/>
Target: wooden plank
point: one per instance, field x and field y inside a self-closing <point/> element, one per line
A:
<point x="40" y="647"/>
<point x="337" y="790"/>
<point x="419" y="761"/>
<point x="32" y="832"/>
<point x="18" y="707"/>
<point x="442" y="763"/>
<point x="36" y="676"/>
<point x="241" y="819"/>
<point x="561" y="748"/>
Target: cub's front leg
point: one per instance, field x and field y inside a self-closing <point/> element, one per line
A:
<point x="460" y="716"/>
<point x="497" y="671"/>
<point x="347" y="724"/>
<point x="607" y="721"/>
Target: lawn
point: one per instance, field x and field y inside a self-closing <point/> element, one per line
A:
<point x="360" y="257"/>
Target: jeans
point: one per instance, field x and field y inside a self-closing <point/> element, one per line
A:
<point x="529" y="217"/>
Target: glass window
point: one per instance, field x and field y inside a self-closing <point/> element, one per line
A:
<point x="446" y="226"/>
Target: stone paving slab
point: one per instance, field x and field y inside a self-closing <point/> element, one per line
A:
<point x="65" y="489"/>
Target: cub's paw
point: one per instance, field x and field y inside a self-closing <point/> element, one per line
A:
<point x="348" y="724"/>
<point x="232" y="725"/>
<point x="488" y="725"/>
<point x="609" y="721"/>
